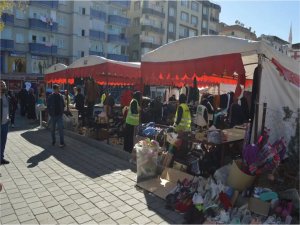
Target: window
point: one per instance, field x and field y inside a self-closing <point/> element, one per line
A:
<point x="137" y="5"/>
<point x="35" y="15"/>
<point x="83" y="11"/>
<point x="171" y="11"/>
<point x="195" y="6"/>
<point x="204" y="25"/>
<point x="136" y="21"/>
<point x="205" y="11"/>
<point x="20" y="14"/>
<point x="6" y="33"/>
<point x="19" y="38"/>
<point x="192" y="33"/>
<point x="232" y="33"/>
<point x="82" y="54"/>
<point x="61" y="20"/>
<point x="184" y="3"/>
<point x="171" y="27"/>
<point x="184" y="16"/>
<point x="61" y="43"/>
<point x="194" y="20"/>
<point x="82" y="33"/>
<point x="183" y="31"/>
<point x="170" y="40"/>
<point x="42" y="39"/>
<point x="33" y="38"/>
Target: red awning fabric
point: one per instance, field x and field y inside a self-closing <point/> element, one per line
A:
<point x="104" y="72"/>
<point x="208" y="70"/>
<point x="287" y="74"/>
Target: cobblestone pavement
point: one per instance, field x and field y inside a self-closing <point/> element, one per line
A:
<point x="79" y="184"/>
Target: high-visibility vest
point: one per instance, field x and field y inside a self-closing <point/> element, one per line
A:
<point x="103" y="97"/>
<point x="133" y="119"/>
<point x="186" y="120"/>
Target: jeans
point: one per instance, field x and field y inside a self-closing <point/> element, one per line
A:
<point x="128" y="137"/>
<point x="59" y="121"/>
<point x="4" y="131"/>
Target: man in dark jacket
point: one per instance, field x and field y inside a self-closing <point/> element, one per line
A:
<point x="4" y="109"/>
<point x="55" y="107"/>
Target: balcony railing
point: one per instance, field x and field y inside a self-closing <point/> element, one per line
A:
<point x="214" y="19"/>
<point x="151" y="11"/>
<point x="117" y="39"/>
<point x="97" y="14"/>
<point x="96" y="53"/>
<point x="8" y="18"/>
<point x="7" y="44"/>
<point x="124" y="4"/>
<point x="118" y="57"/>
<point x="146" y="44"/>
<point x="38" y="24"/>
<point x="98" y="35"/>
<point x="153" y="29"/>
<point x="42" y="49"/>
<point x="51" y="4"/>
<point x="118" y="20"/>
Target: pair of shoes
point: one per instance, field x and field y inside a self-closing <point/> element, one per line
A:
<point x="62" y="145"/>
<point x="4" y="161"/>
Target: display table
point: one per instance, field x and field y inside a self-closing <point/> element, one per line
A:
<point x="41" y="108"/>
<point x="233" y="136"/>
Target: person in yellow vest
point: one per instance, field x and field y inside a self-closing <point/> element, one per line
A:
<point x="132" y="120"/>
<point x="183" y="118"/>
<point x="103" y="97"/>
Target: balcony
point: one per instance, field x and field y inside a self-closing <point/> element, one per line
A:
<point x="146" y="44"/>
<point x="51" y="4"/>
<point x="7" y="44"/>
<point x="214" y="19"/>
<point x="94" y="14"/>
<point x="148" y="10"/>
<point x="118" y="57"/>
<point x="117" y="38"/>
<point x="153" y="29"/>
<point x="123" y="4"/>
<point x="118" y="20"/>
<point x="97" y="35"/>
<point x="8" y="19"/>
<point x="96" y="53"/>
<point x="39" y="48"/>
<point x="40" y="25"/>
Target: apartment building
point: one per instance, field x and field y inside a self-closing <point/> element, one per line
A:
<point x="276" y="42"/>
<point x="49" y="32"/>
<point x="155" y="23"/>
<point x="237" y="30"/>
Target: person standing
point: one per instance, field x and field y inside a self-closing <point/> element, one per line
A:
<point x="4" y="119"/>
<point x="13" y="104"/>
<point x="183" y="116"/>
<point x="79" y="104"/>
<point x="23" y="101"/>
<point x="55" y="105"/>
<point x="31" y="105"/>
<point x="132" y="120"/>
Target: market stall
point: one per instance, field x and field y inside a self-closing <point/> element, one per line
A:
<point x="263" y="145"/>
<point x="95" y="71"/>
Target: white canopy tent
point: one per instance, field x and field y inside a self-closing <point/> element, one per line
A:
<point x="279" y="80"/>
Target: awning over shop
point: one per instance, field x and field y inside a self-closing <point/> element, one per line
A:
<point x="211" y="59"/>
<point x="102" y="70"/>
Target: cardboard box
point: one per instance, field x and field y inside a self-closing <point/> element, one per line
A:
<point x="102" y="134"/>
<point x="259" y="207"/>
<point x="161" y="186"/>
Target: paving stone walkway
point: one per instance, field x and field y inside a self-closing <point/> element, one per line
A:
<point x="79" y="184"/>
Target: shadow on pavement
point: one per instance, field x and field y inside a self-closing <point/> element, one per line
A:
<point x="81" y="157"/>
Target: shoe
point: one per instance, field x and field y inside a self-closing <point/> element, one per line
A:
<point x="12" y="126"/>
<point x="53" y="143"/>
<point x="4" y="161"/>
<point x="62" y="145"/>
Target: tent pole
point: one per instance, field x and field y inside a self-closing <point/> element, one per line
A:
<point x="257" y="98"/>
<point x="67" y="94"/>
<point x="264" y="117"/>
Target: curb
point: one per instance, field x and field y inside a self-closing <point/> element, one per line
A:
<point x="99" y="145"/>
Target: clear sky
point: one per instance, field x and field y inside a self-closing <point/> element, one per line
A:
<point x="264" y="16"/>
